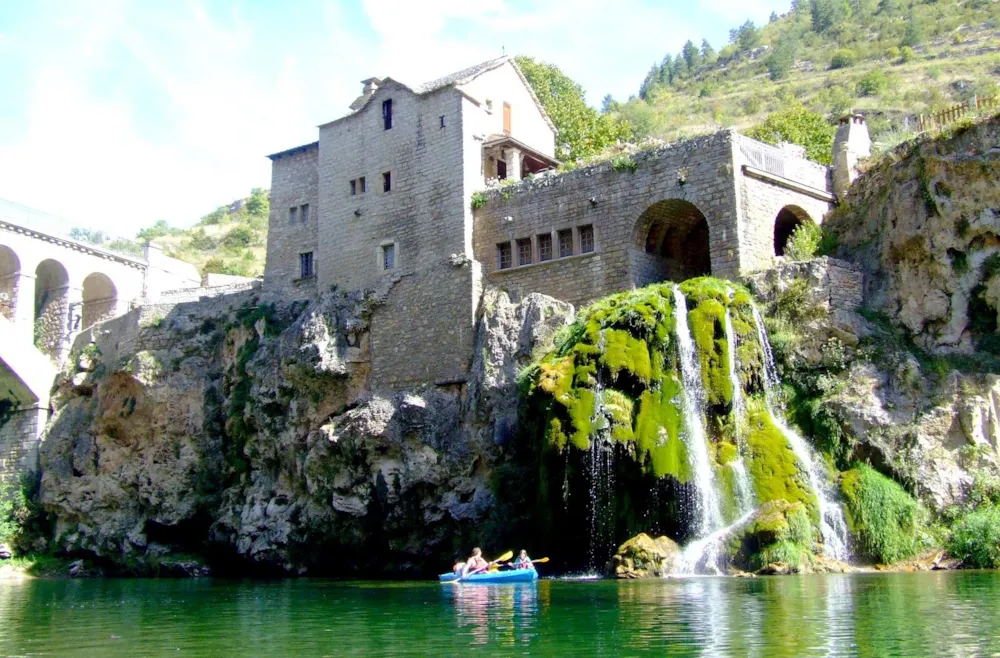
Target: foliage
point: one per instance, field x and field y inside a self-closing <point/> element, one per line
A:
<point x="240" y="236"/>
<point x="843" y="58"/>
<point x="582" y="130"/>
<point x="804" y="241"/>
<point x="157" y="230"/>
<point x="801" y="126"/>
<point x="478" y="199"/>
<point x="624" y="162"/>
<point x="259" y="202"/>
<point x="975" y="538"/>
<point x="774" y="469"/>
<point x="884" y="518"/>
<point x="746" y="36"/>
<point x="872" y="83"/>
<point x="782" y="58"/>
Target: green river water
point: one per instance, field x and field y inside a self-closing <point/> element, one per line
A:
<point x="925" y="614"/>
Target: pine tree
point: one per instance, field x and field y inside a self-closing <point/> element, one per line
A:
<point x="707" y="51"/>
<point x="692" y="58"/>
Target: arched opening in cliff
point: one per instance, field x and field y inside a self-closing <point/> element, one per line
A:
<point x="672" y="243"/>
<point x="789" y="218"/>
<point x="100" y="299"/>
<point x="10" y="270"/>
<point x="51" y="307"/>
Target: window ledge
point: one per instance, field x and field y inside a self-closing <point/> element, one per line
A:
<point x="544" y="263"/>
<point x="304" y="279"/>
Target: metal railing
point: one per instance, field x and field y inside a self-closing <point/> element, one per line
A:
<point x="778" y="162"/>
<point x="42" y="222"/>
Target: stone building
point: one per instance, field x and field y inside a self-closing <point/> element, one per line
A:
<point x="386" y="196"/>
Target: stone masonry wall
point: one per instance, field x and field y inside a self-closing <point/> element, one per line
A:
<point x="294" y="182"/>
<point x="612" y="202"/>
<point x="20" y="438"/>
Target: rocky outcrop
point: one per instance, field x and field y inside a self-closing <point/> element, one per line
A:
<point x="250" y="434"/>
<point x="644" y="557"/>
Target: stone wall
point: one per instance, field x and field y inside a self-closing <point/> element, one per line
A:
<point x="294" y="183"/>
<point x="612" y="201"/>
<point x="835" y="285"/>
<point x="20" y="438"/>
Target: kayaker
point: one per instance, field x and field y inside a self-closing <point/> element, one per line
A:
<point x="475" y="563"/>
<point x="523" y="561"/>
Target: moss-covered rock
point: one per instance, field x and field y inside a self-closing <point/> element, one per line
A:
<point x="884" y="518"/>
<point x="644" y="557"/>
<point x="779" y="532"/>
<point x="774" y="469"/>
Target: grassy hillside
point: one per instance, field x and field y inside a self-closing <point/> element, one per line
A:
<point x="890" y="59"/>
<point x="230" y="240"/>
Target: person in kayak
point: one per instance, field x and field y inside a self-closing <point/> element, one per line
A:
<point x="476" y="563"/>
<point x="523" y="561"/>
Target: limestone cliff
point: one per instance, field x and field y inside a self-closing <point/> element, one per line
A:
<point x="245" y="430"/>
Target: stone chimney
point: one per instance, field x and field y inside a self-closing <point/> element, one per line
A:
<point x="369" y="85"/>
<point x="851" y="144"/>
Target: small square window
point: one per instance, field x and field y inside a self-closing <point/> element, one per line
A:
<point x="304" y="212"/>
<point x="442" y="120"/>
<point x="306" y="265"/>
<point x="387" y="114"/>
<point x="362" y="184"/>
<point x="504" y="260"/>
<point x="545" y="247"/>
<point x="354" y="187"/>
<point x="293" y="214"/>
<point x="586" y="239"/>
<point x="388" y="256"/>
<point x="524" y="251"/>
<point x="565" y="243"/>
<point x="387" y="182"/>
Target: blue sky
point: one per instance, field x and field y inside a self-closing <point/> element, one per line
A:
<point x="117" y="113"/>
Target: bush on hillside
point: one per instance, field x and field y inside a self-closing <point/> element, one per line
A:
<point x="799" y="126"/>
<point x="884" y="518"/>
<point x="872" y="83"/>
<point x="201" y="241"/>
<point x="843" y="58"/>
<point x="804" y="241"/>
<point x="975" y="538"/>
<point x="240" y="236"/>
<point x="217" y="265"/>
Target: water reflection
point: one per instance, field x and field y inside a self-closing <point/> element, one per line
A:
<point x="504" y="614"/>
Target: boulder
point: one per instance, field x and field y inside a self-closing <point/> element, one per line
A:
<point x="644" y="557"/>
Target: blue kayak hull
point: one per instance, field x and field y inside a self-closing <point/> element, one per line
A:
<point x="515" y="576"/>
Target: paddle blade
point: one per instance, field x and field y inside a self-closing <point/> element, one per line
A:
<point x="506" y="556"/>
<point x="540" y="560"/>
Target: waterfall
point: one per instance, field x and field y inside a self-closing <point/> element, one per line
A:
<point x="702" y="555"/>
<point x="601" y="475"/>
<point x="744" y="492"/>
<point x="709" y="514"/>
<point x="832" y="525"/>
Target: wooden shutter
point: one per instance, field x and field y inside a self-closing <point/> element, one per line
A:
<point x="506" y="118"/>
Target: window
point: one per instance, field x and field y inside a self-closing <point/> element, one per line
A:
<point x="506" y="118"/>
<point x="387" y="113"/>
<point x="292" y="215"/>
<point x="586" y="239"/>
<point x="565" y="243"/>
<point x="524" y="251"/>
<point x="354" y="187"/>
<point x="442" y="120"/>
<point x="387" y="181"/>
<point x="306" y="265"/>
<point x="545" y="247"/>
<point x="501" y="170"/>
<point x="504" y="261"/>
<point x="388" y="256"/>
<point x="362" y="184"/>
<point x="304" y="212"/>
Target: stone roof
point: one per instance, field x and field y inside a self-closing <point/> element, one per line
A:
<point x="461" y="77"/>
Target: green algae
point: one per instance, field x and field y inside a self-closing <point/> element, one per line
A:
<point x="886" y="520"/>
<point x="658" y="432"/>
<point x="774" y="469"/>
<point x="624" y="352"/>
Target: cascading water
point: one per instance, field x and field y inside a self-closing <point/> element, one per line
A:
<point x="744" y="492"/>
<point x="709" y="510"/>
<point x="601" y="475"/>
<point x="832" y="524"/>
<point x="702" y="555"/>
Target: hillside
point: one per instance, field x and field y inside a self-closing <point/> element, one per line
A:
<point x="889" y="59"/>
<point x="231" y="239"/>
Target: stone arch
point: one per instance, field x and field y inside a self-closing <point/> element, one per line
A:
<point x="787" y="220"/>
<point x="674" y="240"/>
<point x="100" y="299"/>
<point x="10" y="275"/>
<point x="51" y="307"/>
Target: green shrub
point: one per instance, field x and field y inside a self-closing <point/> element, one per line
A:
<point x="624" y="162"/>
<point x="884" y="518"/>
<point x="843" y="58"/>
<point x="975" y="538"/>
<point x="804" y="241"/>
<point x="478" y="200"/>
<point x="906" y="54"/>
<point x="872" y="83"/>
<point x="201" y="241"/>
<point x="798" y="125"/>
<point x="892" y="53"/>
<point x="240" y="236"/>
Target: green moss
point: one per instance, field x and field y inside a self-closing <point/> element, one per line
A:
<point x="975" y="538"/>
<point x="707" y="321"/>
<point x="725" y="453"/>
<point x="581" y="412"/>
<point x="778" y="532"/>
<point x="884" y="518"/>
<point x="658" y="432"/>
<point x="623" y="352"/>
<point x="774" y="468"/>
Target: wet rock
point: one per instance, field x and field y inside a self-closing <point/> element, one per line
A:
<point x="644" y="557"/>
<point x="6" y="552"/>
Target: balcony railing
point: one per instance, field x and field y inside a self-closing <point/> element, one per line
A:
<point x="42" y="222"/>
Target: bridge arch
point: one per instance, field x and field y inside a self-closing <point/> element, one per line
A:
<point x="788" y="219"/>
<point x="100" y="299"/>
<point x="10" y="271"/>
<point x="51" y="307"/>
<point x="672" y="242"/>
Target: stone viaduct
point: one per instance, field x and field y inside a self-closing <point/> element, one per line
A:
<point x="51" y="287"/>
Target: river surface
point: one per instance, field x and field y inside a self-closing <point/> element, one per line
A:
<point x="925" y="614"/>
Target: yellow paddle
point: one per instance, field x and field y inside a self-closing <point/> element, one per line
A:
<point x="541" y="560"/>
